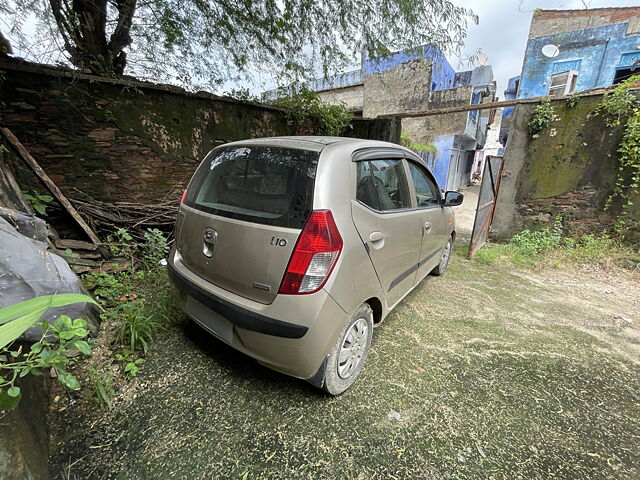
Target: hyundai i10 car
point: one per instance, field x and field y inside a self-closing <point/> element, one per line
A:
<point x="291" y="249"/>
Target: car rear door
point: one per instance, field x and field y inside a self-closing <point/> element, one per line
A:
<point x="433" y="220"/>
<point x="386" y="220"/>
<point x="242" y="215"/>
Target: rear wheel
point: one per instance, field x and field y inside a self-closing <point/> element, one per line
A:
<point x="346" y="359"/>
<point x="444" y="260"/>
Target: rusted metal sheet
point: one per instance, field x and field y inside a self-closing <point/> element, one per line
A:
<point x="486" y="203"/>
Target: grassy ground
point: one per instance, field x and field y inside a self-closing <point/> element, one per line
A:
<point x="496" y="373"/>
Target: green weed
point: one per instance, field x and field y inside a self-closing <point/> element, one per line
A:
<point x="131" y="365"/>
<point x="103" y="384"/>
<point x="529" y="249"/>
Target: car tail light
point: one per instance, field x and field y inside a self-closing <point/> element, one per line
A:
<point x="184" y="195"/>
<point x="316" y="253"/>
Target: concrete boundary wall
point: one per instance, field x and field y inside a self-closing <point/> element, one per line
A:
<point x="568" y="169"/>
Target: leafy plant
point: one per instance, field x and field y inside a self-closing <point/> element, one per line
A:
<point x="137" y="328"/>
<point x="405" y="140"/>
<point x="122" y="243"/>
<point x="103" y="384"/>
<point x="66" y="335"/>
<point x="304" y="105"/>
<point x="52" y="351"/>
<point x="540" y="117"/>
<point x="38" y="201"/>
<point x="155" y="248"/>
<point x="16" y="319"/>
<point x="530" y="248"/>
<point x="131" y="365"/>
<point x="572" y="101"/>
<point x="619" y="105"/>
<point x="107" y="286"/>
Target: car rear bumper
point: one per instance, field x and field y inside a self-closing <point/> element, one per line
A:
<point x="238" y="316"/>
<point x="292" y="335"/>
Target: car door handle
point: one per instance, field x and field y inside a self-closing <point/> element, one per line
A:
<point x="376" y="236"/>
<point x="427" y="226"/>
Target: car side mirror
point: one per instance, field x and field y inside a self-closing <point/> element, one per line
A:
<point x="453" y="199"/>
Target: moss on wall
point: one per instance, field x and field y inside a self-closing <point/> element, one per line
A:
<point x="575" y="150"/>
<point x="569" y="168"/>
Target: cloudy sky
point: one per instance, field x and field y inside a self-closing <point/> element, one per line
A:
<point x="504" y="26"/>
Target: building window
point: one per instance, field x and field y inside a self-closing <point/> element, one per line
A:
<point x="563" y="83"/>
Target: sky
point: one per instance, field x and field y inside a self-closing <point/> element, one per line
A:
<point x="503" y="29"/>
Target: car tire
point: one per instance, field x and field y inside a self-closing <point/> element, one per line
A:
<point x="341" y="372"/>
<point x="444" y="260"/>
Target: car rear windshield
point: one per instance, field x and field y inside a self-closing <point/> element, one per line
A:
<point x="267" y="185"/>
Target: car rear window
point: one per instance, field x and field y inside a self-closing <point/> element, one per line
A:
<point x="267" y="185"/>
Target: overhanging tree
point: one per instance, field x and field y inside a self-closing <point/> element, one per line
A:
<point x="208" y="42"/>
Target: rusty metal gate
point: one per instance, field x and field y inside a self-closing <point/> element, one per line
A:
<point x="486" y="202"/>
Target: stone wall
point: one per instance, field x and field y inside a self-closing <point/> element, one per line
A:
<point x="404" y="88"/>
<point x="352" y="97"/>
<point x="123" y="140"/>
<point x="567" y="169"/>
<point x="441" y="130"/>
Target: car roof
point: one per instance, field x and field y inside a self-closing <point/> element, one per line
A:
<point x="316" y="143"/>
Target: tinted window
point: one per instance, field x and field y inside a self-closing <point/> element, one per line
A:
<point x="427" y="193"/>
<point x="382" y="185"/>
<point x="268" y="185"/>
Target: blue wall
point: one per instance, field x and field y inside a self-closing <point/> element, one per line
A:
<point x="594" y="52"/>
<point x="443" y="75"/>
<point x="509" y="94"/>
<point x="440" y="170"/>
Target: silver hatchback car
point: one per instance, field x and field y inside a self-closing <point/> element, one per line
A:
<point x="291" y="249"/>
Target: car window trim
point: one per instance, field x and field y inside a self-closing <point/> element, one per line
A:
<point x="387" y="212"/>
<point x="377" y="153"/>
<point x="369" y="154"/>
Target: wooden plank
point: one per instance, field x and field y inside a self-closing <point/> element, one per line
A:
<point x="11" y="193"/>
<point x="53" y="188"/>
<point x="75" y="245"/>
<point x="490" y="105"/>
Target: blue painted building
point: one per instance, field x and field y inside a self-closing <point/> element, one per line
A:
<point x="593" y="57"/>
<point x="509" y="94"/>
<point x="570" y="51"/>
<point x="418" y="80"/>
<point x="442" y="73"/>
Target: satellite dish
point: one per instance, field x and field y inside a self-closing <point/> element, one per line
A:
<point x="550" y="51"/>
<point x="482" y="58"/>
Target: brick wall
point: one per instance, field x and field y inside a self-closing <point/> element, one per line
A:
<point x="123" y="140"/>
<point x="551" y="22"/>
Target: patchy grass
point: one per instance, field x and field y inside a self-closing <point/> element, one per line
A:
<point x="545" y="249"/>
<point x="521" y="375"/>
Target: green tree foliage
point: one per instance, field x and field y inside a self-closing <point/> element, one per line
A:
<point x="208" y="42"/>
<point x="305" y="105"/>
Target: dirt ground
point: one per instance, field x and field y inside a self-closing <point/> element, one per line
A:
<point x="483" y="373"/>
<point x="466" y="213"/>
